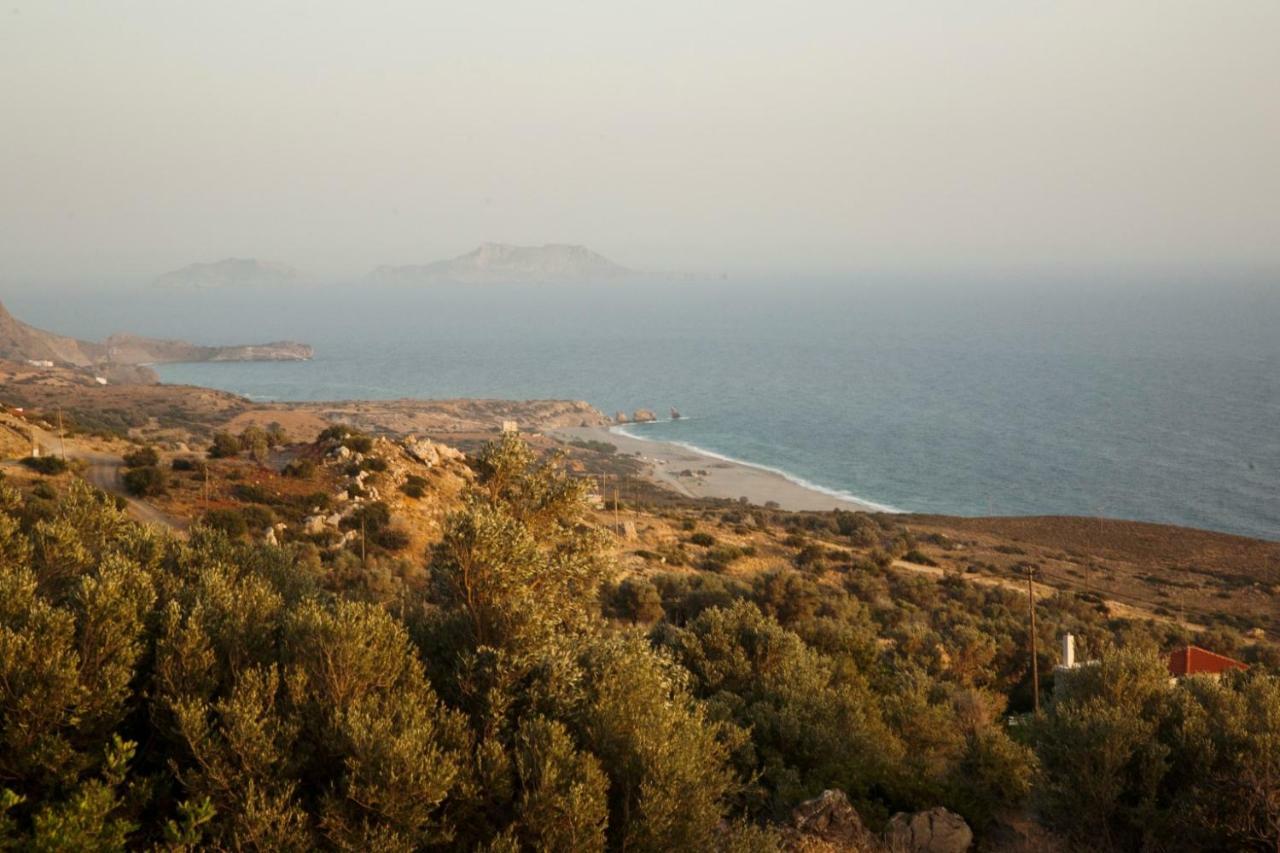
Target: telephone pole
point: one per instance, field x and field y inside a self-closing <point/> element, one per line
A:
<point x="62" y="448"/>
<point x="1035" y="666"/>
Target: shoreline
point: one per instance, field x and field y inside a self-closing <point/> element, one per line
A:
<point x="716" y="476"/>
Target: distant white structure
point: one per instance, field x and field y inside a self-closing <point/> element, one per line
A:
<point x="510" y="427"/>
<point x="1069" y="661"/>
<point x="39" y="362"/>
<point x="100" y="380"/>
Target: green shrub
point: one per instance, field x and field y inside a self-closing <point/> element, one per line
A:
<point x="705" y="540"/>
<point x="144" y="482"/>
<point x="229" y="521"/>
<point x="143" y="457"/>
<point x="225" y="446"/>
<point x="48" y="465"/>
<point x="251" y="493"/>
<point x="257" y="517"/>
<point x="414" y="486"/>
<point x="301" y="469"/>
<point x="919" y="558"/>
<point x="358" y="443"/>
<point x="373" y="516"/>
<point x="392" y="539"/>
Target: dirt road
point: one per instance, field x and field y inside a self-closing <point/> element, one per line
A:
<point x="104" y="470"/>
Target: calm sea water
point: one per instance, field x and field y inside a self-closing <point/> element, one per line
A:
<point x="1139" y="401"/>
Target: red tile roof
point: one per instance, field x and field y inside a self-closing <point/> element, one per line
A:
<point x="1193" y="660"/>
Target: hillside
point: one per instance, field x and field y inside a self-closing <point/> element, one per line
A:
<point x="21" y="342"/>
<point x="120" y="356"/>
<point x="500" y="263"/>
<point x="439" y="620"/>
<point x="229" y="272"/>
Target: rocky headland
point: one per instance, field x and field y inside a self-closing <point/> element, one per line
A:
<point x="125" y="358"/>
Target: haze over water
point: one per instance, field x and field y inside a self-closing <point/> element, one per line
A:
<point x="1142" y="401"/>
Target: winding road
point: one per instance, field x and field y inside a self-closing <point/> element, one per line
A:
<point x="104" y="470"/>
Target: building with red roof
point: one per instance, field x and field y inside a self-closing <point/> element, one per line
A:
<point x="1193" y="660"/>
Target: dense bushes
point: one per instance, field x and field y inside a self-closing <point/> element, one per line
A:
<point x="227" y="695"/>
<point x="144" y="482"/>
<point x="48" y="465"/>
<point x="414" y="486"/>
<point x="143" y="457"/>
<point x="226" y="520"/>
<point x="225" y="446"/>
<point x="302" y="469"/>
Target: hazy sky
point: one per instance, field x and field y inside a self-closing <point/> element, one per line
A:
<point x="746" y="136"/>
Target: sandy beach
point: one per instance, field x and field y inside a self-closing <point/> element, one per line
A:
<point x="713" y="477"/>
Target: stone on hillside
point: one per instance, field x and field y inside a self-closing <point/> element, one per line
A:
<point x="313" y="524"/>
<point x="422" y="450"/>
<point x="644" y="416"/>
<point x="333" y="520"/>
<point x="832" y="819"/>
<point x="270" y="538"/>
<point x="934" y="831"/>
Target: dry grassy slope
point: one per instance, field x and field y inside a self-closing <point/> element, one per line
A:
<point x="15" y="441"/>
<point x="1169" y="574"/>
<point x="185" y="413"/>
<point x="1177" y="572"/>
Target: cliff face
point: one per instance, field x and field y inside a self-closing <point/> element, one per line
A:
<point x="496" y="263"/>
<point x="120" y="357"/>
<point x="21" y="342"/>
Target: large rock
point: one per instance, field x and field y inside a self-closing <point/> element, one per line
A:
<point x="621" y="418"/>
<point x="934" y="831"/>
<point x="828" y="824"/>
<point x="643" y="416"/>
<point x="422" y="450"/>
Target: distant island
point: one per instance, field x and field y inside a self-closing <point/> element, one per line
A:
<point x="501" y="263"/>
<point x="229" y="272"/>
<point x="124" y="358"/>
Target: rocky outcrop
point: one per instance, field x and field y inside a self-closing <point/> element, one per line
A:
<point x="121" y="359"/>
<point x="132" y="349"/>
<point x="621" y="418"/>
<point x="498" y="263"/>
<point x="934" y="831"/>
<point x="828" y="824"/>
<point x="20" y="342"/>
<point x="430" y="453"/>
<point x="643" y="416"/>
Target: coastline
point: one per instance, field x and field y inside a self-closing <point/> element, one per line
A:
<point x="716" y="476"/>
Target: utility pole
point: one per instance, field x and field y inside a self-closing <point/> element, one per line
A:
<point x="617" y="525"/>
<point x="1035" y="666"/>
<point x="62" y="448"/>
<point x="364" y="560"/>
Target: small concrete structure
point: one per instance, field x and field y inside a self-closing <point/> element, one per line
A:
<point x="510" y="427"/>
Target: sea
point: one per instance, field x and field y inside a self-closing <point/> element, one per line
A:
<point x="1137" y="399"/>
